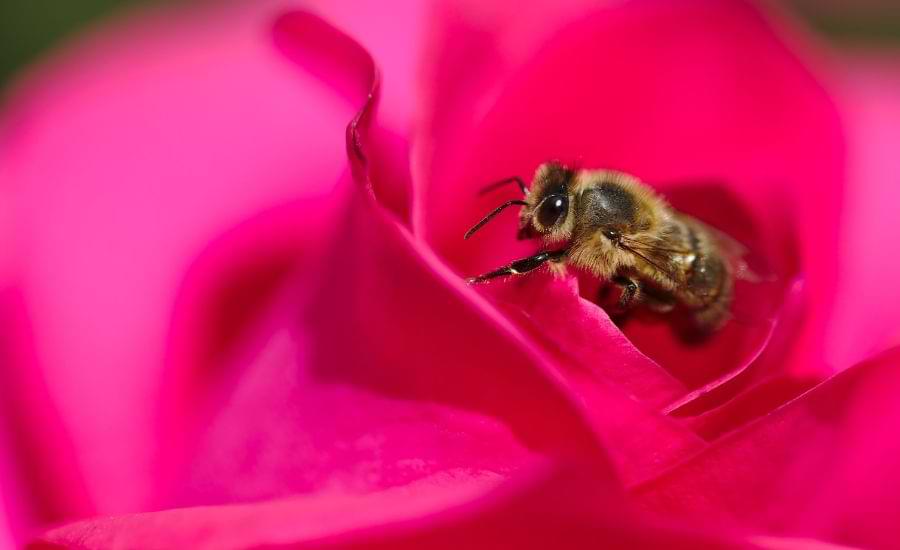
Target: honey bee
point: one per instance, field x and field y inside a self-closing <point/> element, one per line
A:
<point x="615" y="227"/>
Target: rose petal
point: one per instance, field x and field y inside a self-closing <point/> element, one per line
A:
<point x="473" y="47"/>
<point x="823" y="465"/>
<point x="343" y="394"/>
<point x="756" y="390"/>
<point x="396" y="46"/>
<point x="495" y="521"/>
<point x="766" y="365"/>
<point x="628" y="427"/>
<point x="121" y="161"/>
<point x="363" y="335"/>
<point x="665" y="92"/>
<point x="13" y="520"/>
<point x="359" y="335"/>
<point x="867" y="313"/>
<point x="42" y="489"/>
<point x="591" y="341"/>
<point x="597" y="363"/>
<point x="395" y="38"/>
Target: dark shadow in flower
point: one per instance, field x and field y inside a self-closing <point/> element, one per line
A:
<point x="668" y="340"/>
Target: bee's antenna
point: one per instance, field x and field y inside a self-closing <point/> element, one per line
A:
<point x="493" y="213"/>
<point x="497" y="184"/>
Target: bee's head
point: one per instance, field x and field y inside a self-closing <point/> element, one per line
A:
<point x="550" y="200"/>
<point x="546" y="207"/>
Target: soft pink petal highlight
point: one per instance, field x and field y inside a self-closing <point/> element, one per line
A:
<point x="867" y="312"/>
<point x="536" y="514"/>
<point x="175" y="144"/>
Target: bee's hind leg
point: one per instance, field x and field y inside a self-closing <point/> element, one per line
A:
<point x="657" y="302"/>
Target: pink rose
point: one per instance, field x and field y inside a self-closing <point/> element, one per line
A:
<point x="225" y="321"/>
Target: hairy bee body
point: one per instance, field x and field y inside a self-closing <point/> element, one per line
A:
<point x="615" y="227"/>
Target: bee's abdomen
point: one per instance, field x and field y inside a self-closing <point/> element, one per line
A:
<point x="705" y="273"/>
<point x="708" y="281"/>
<point x="713" y="315"/>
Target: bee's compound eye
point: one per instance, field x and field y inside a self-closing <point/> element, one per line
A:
<point x="552" y="210"/>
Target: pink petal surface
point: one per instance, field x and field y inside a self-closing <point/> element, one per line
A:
<point x="11" y="520"/>
<point x="394" y="37"/>
<point x="590" y="342"/>
<point x="345" y="388"/>
<point x="42" y="481"/>
<point x="680" y="107"/>
<point x="332" y="396"/>
<point x="524" y="517"/>
<point x="868" y="300"/>
<point x="642" y="441"/>
<point x="723" y="403"/>
<point x="760" y="388"/>
<point x="173" y="147"/>
<point x="822" y="465"/>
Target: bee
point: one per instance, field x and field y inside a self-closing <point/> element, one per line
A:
<point x="615" y="227"/>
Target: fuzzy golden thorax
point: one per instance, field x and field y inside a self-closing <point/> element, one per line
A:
<point x="614" y="208"/>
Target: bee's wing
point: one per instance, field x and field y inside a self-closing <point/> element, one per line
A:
<point x="661" y="253"/>
<point x="736" y="254"/>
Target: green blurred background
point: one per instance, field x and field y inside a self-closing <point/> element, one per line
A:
<point x="30" y="27"/>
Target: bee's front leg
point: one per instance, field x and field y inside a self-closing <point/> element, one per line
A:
<point x="518" y="267"/>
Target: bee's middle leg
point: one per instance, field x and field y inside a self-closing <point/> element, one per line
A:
<point x="631" y="292"/>
<point x="629" y="295"/>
